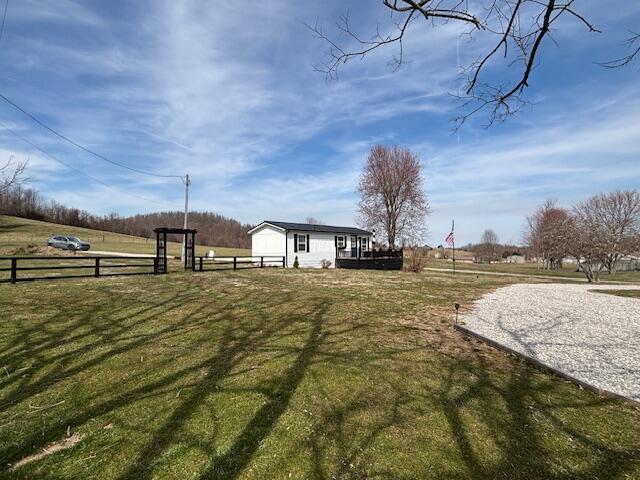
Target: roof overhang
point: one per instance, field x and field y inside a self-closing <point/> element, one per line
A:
<point x="304" y="227"/>
<point x="260" y="225"/>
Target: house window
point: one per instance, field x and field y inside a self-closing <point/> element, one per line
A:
<point x="342" y="242"/>
<point x="364" y="242"/>
<point x="302" y="243"/>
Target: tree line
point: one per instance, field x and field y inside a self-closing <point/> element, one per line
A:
<point x="489" y="249"/>
<point x="597" y="232"/>
<point x="213" y="228"/>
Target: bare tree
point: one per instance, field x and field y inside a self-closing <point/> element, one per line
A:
<point x="547" y="232"/>
<point x="314" y="221"/>
<point x="585" y="241"/>
<point x="12" y="173"/>
<point x="392" y="198"/>
<point x="487" y="250"/>
<point x="489" y="237"/>
<point x="614" y="222"/>
<point x="517" y="29"/>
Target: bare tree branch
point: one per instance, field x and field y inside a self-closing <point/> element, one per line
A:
<point x="521" y="27"/>
<point x="12" y="173"/>
<point x="633" y="44"/>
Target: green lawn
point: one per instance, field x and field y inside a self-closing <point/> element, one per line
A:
<point x="276" y="373"/>
<point x="20" y="232"/>
<point x="568" y="271"/>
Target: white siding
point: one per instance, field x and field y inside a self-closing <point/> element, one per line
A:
<point x="321" y="246"/>
<point x="268" y="241"/>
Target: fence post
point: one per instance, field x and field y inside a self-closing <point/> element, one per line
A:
<point x="155" y="265"/>
<point x="201" y="264"/>
<point x="283" y="262"/>
<point x="235" y="260"/>
<point x="261" y="262"/>
<point x="97" y="269"/>
<point x="14" y="270"/>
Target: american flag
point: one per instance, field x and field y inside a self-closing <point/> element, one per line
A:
<point x="450" y="238"/>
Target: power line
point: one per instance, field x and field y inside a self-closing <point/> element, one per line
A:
<point x="4" y="17"/>
<point x="44" y="152"/>
<point x="76" y="144"/>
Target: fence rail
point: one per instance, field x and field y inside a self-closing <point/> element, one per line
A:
<point x="25" y="268"/>
<point x="204" y="264"/>
<point x="93" y="266"/>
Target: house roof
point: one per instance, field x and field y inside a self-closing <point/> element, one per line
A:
<point x="307" y="227"/>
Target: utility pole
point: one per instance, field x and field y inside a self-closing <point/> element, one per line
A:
<point x="187" y="182"/>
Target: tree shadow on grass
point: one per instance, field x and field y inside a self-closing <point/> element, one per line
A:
<point x="472" y="396"/>
<point x="517" y="415"/>
<point x="57" y="355"/>
<point x="113" y="333"/>
<point x="514" y="423"/>
<point x="279" y="393"/>
<point x="238" y="342"/>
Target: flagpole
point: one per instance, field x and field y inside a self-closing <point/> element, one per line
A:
<point x="453" y="245"/>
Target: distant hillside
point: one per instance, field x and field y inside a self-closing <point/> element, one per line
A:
<point x="23" y="236"/>
<point x="213" y="229"/>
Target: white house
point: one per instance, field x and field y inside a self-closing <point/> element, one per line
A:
<point x="515" y="258"/>
<point x="310" y="243"/>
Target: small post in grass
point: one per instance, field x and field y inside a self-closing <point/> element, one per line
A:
<point x="456" y="306"/>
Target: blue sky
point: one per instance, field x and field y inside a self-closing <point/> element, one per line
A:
<point x="228" y="94"/>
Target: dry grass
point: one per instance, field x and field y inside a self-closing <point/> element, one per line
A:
<point x="286" y="374"/>
<point x="16" y="233"/>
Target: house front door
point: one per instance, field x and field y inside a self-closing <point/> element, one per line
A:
<point x="354" y="246"/>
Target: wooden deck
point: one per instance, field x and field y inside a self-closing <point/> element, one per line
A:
<point x="371" y="260"/>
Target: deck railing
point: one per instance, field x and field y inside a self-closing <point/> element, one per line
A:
<point x="348" y="253"/>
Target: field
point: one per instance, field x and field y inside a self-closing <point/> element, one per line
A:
<point x="285" y="374"/>
<point x="568" y="271"/>
<point x="20" y="232"/>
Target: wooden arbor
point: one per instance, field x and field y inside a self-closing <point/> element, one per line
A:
<point x="161" y="248"/>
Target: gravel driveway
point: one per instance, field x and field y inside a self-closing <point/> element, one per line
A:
<point x="592" y="336"/>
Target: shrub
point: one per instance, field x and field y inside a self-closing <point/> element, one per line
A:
<point x="295" y="262"/>
<point x="415" y="259"/>
<point x="324" y="263"/>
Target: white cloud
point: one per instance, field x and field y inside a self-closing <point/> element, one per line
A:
<point x="231" y="98"/>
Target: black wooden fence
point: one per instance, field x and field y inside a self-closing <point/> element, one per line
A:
<point x="204" y="264"/>
<point x="24" y="269"/>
